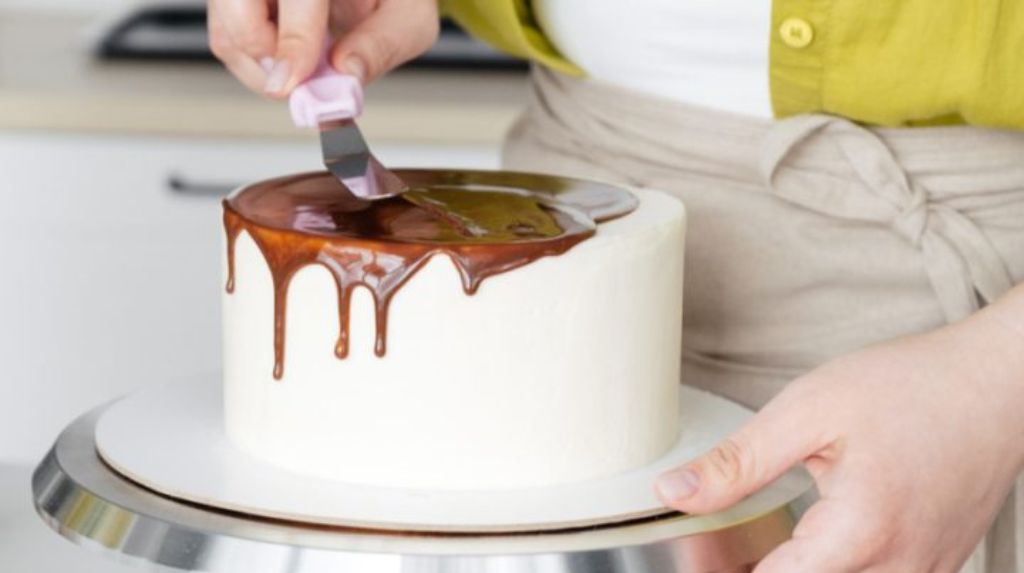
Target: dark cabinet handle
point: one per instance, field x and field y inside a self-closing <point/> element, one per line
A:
<point x="181" y="185"/>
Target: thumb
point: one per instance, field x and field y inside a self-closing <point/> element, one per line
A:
<point x="396" y="32"/>
<point x="777" y="438"/>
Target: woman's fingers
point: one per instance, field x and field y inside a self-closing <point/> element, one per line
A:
<point x="834" y="536"/>
<point x="348" y="14"/>
<point x="396" y="32"/>
<point x="912" y="450"/>
<point x="249" y="25"/>
<point x="302" y="29"/>
<point x="243" y="66"/>
<point x="274" y="57"/>
<point x="800" y="555"/>
<point x="783" y="434"/>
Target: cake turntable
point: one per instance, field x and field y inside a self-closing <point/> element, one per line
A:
<point x="85" y="500"/>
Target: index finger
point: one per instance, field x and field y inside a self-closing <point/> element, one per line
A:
<point x="302" y="28"/>
<point x="248" y="23"/>
<point x="833" y="535"/>
<point x="241" y="65"/>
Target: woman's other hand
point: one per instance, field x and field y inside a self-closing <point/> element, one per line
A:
<point x="273" y="45"/>
<point x="913" y="444"/>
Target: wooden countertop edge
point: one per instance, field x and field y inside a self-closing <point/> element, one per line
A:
<point x="438" y="124"/>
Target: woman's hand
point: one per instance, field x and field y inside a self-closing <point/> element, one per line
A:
<point x="913" y="444"/>
<point x="273" y="45"/>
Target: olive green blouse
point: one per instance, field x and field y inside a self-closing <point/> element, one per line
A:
<point x="882" y="62"/>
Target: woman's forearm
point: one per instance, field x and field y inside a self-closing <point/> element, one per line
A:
<point x="1009" y="310"/>
<point x="1000" y="326"/>
<point x="995" y="337"/>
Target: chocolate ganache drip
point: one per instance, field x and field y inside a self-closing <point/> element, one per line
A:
<point x="487" y="223"/>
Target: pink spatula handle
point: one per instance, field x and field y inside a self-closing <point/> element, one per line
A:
<point x="328" y="95"/>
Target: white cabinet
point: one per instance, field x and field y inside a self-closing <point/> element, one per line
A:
<point x="109" y="277"/>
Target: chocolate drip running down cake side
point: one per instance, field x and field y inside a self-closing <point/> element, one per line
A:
<point x="485" y="330"/>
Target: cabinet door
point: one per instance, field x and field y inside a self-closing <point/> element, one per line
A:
<point x="110" y="264"/>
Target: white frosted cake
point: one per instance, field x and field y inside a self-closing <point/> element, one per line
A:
<point x="561" y="366"/>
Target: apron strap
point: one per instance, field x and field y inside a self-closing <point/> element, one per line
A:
<point x="961" y="263"/>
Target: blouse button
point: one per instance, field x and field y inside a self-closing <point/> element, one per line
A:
<point x="796" y="32"/>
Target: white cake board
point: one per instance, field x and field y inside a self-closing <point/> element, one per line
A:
<point x="171" y="440"/>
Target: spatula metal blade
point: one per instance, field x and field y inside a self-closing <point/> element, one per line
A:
<point x="348" y="157"/>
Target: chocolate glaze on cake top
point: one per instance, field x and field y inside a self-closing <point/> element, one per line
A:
<point x="485" y="228"/>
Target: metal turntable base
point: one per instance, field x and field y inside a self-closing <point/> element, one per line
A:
<point x="85" y="501"/>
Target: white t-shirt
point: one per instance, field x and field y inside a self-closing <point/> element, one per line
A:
<point x="712" y="53"/>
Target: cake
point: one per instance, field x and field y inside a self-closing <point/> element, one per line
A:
<point x="486" y="330"/>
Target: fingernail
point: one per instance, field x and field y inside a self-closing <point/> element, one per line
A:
<point x="677" y="485"/>
<point x="267" y="63"/>
<point x="277" y="77"/>
<point x="355" y="66"/>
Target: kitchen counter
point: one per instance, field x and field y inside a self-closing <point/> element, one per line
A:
<point x="49" y="80"/>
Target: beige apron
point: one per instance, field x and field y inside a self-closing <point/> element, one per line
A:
<point x="809" y="237"/>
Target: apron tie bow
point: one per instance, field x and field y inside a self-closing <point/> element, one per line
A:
<point x="963" y="266"/>
<point x="912" y="221"/>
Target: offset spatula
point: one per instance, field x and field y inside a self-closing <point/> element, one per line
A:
<point x="331" y="101"/>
